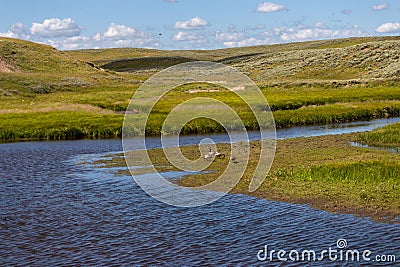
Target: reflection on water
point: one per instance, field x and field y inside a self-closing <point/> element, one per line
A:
<point x="392" y="150"/>
<point x="333" y="129"/>
<point x="56" y="211"/>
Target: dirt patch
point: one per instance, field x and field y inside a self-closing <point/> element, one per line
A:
<point x="7" y="68"/>
<point x="202" y="91"/>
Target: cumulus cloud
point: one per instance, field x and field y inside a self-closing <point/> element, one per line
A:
<point x="117" y="31"/>
<point x="380" y="7"/>
<point x="55" y="27"/>
<point x="65" y="34"/>
<point x="193" y="23"/>
<point x="190" y="39"/>
<point x="228" y="36"/>
<point x="71" y="42"/>
<point x="246" y="42"/>
<point x="388" y="28"/>
<point x="295" y="33"/>
<point x="238" y="39"/>
<point x="118" y="35"/>
<point x="316" y="32"/>
<point x="269" y="7"/>
<point x="17" y="30"/>
<point x="185" y="36"/>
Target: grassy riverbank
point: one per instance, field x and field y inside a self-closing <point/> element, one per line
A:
<point x="324" y="172"/>
<point x="66" y="115"/>
<point x="388" y="136"/>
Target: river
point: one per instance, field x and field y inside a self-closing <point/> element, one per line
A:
<point x="57" y="209"/>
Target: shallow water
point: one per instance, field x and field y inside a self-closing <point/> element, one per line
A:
<point x="391" y="150"/>
<point x="57" y="209"/>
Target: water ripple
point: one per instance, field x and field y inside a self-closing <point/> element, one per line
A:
<point x="57" y="213"/>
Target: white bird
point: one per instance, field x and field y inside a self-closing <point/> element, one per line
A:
<point x="208" y="156"/>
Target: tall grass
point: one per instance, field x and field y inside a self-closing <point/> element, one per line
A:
<point x="59" y="125"/>
<point x="388" y="136"/>
<point x="364" y="172"/>
<point x="33" y="124"/>
<point x="295" y="97"/>
<point x="369" y="188"/>
<point x="336" y="113"/>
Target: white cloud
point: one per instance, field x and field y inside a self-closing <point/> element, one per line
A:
<point x="185" y="36"/>
<point x="269" y="7"/>
<point x="17" y="30"/>
<point x="118" y="35"/>
<point x="313" y="33"/>
<point x="65" y="34"/>
<point x="71" y="42"/>
<point x="228" y="36"/>
<point x="193" y="23"/>
<point x="388" y="28"/>
<point x="191" y="39"/>
<point x="380" y="7"/>
<point x="296" y="33"/>
<point x="243" y="38"/>
<point x="117" y="32"/>
<point x="55" y="27"/>
<point x="246" y="42"/>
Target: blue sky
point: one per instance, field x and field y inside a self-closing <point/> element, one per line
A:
<point x="194" y="24"/>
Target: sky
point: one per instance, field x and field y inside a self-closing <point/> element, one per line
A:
<point x="193" y="24"/>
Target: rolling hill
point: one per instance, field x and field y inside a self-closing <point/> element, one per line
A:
<point x="340" y="59"/>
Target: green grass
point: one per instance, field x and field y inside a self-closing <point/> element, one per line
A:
<point x="59" y="125"/>
<point x="367" y="188"/>
<point x="37" y="58"/>
<point x="355" y="172"/>
<point x="294" y="107"/>
<point x="388" y="136"/>
<point x="291" y="107"/>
